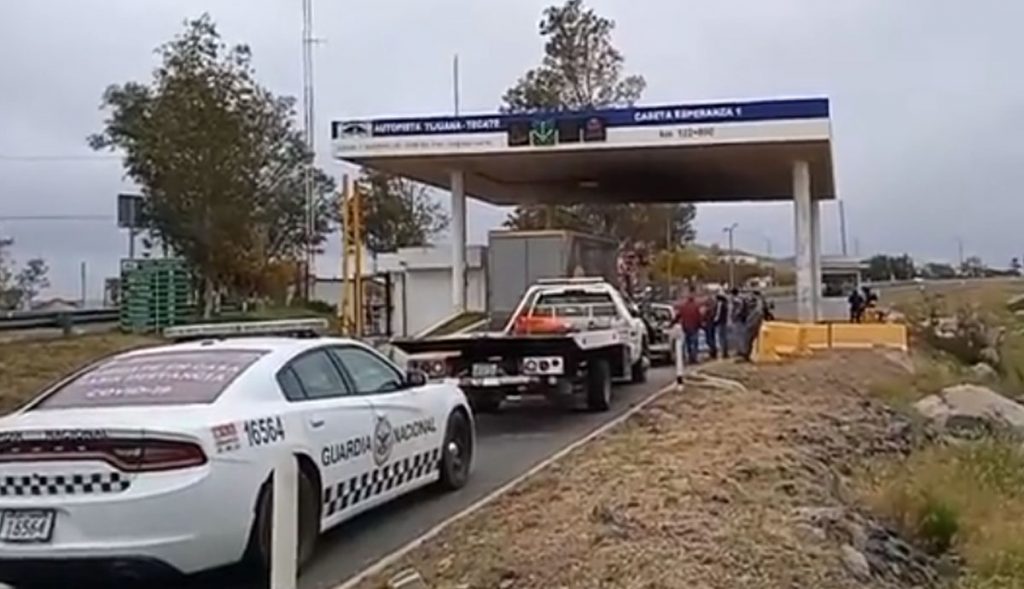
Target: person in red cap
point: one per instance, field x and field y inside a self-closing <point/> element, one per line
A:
<point x="689" y="315"/>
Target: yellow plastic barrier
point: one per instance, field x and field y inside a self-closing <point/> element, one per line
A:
<point x="815" y="337"/>
<point x="869" y="335"/>
<point x="778" y="339"/>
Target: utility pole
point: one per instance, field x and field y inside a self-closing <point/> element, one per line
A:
<point x="960" y="252"/>
<point x="731" y="229"/>
<point x="842" y="226"/>
<point x="310" y="132"/>
<point x="455" y="84"/>
<point x="83" y="281"/>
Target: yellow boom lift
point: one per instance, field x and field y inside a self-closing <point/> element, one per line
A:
<point x="350" y="309"/>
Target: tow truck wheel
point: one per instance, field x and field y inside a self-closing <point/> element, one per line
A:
<point x="457" y="452"/>
<point x="599" y="385"/>
<point x="639" y="369"/>
<point x="485" y="403"/>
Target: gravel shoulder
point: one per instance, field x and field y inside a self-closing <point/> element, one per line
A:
<point x="723" y="485"/>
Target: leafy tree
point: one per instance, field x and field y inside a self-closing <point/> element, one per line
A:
<point x="397" y="212"/>
<point x="220" y="161"/>
<point x="974" y="267"/>
<point x="582" y="69"/>
<point x="936" y="270"/>
<point x="19" y="287"/>
<point x="6" y="272"/>
<point x="31" y="280"/>
<point x="682" y="264"/>
<point x="678" y="264"/>
<point x="884" y="267"/>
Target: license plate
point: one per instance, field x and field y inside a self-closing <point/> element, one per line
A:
<point x="27" y="525"/>
<point x="485" y="370"/>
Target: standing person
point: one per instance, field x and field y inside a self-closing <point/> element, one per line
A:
<point x="754" y="316"/>
<point x="720" y="321"/>
<point x="708" y="325"/>
<point x="767" y="307"/>
<point x="870" y="304"/>
<point x="736" y="319"/>
<point x="688" y="315"/>
<point x="856" y="306"/>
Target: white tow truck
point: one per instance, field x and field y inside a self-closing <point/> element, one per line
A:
<point x="567" y="339"/>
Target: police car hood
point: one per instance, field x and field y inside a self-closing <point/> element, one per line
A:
<point x="135" y="418"/>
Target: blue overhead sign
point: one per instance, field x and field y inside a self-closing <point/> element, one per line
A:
<point x="724" y="112"/>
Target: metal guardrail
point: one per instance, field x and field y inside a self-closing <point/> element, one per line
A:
<point x="884" y="285"/>
<point x="16" y="321"/>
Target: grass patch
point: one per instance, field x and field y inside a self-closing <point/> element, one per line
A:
<point x="27" y="367"/>
<point x="967" y="497"/>
<point x="932" y="373"/>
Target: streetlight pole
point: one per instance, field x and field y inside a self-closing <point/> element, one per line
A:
<point x="731" y="229"/>
<point x="960" y="252"/>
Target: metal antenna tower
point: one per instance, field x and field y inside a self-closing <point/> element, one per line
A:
<point x="310" y="132"/>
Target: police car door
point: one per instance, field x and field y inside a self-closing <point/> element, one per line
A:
<point x="339" y="425"/>
<point x="407" y="433"/>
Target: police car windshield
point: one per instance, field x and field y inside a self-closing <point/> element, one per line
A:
<point x="161" y="378"/>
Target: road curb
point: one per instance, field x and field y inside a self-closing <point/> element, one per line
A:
<point x="390" y="559"/>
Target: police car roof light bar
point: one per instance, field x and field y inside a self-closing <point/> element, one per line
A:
<point x="282" y="328"/>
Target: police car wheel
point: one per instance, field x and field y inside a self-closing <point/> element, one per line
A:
<point x="599" y="385"/>
<point x="259" y="553"/>
<point x="457" y="452"/>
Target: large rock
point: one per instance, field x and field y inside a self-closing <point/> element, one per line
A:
<point x="1016" y="303"/>
<point x="983" y="372"/>
<point x="968" y="409"/>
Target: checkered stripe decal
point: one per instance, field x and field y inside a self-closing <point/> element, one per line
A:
<point x="73" y="484"/>
<point x="380" y="480"/>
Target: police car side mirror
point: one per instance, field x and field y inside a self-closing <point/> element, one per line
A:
<point x="415" y="378"/>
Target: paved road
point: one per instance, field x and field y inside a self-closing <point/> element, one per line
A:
<point x="508" y="444"/>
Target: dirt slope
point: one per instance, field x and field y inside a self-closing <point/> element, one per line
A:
<point x="714" y="487"/>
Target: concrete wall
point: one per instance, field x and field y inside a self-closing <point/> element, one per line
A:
<point x="425" y="298"/>
<point x="421" y="285"/>
<point x="832" y="309"/>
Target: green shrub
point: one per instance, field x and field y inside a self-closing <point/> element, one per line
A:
<point x="968" y="498"/>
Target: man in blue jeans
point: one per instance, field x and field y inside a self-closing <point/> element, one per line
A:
<point x="716" y="328"/>
<point x="689" y="316"/>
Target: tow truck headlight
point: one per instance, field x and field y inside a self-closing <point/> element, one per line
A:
<point x="432" y="367"/>
<point x="543" y="366"/>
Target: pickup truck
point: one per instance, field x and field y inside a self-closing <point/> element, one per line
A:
<point x="568" y="340"/>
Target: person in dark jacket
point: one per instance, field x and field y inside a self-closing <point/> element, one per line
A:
<point x="754" y="315"/>
<point x="717" y="326"/>
<point x="856" y="306"/>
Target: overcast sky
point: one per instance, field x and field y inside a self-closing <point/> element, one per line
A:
<point x="927" y="96"/>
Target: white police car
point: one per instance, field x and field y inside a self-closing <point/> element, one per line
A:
<point x="160" y="458"/>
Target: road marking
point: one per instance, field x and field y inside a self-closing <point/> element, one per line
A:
<point x="390" y="559"/>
